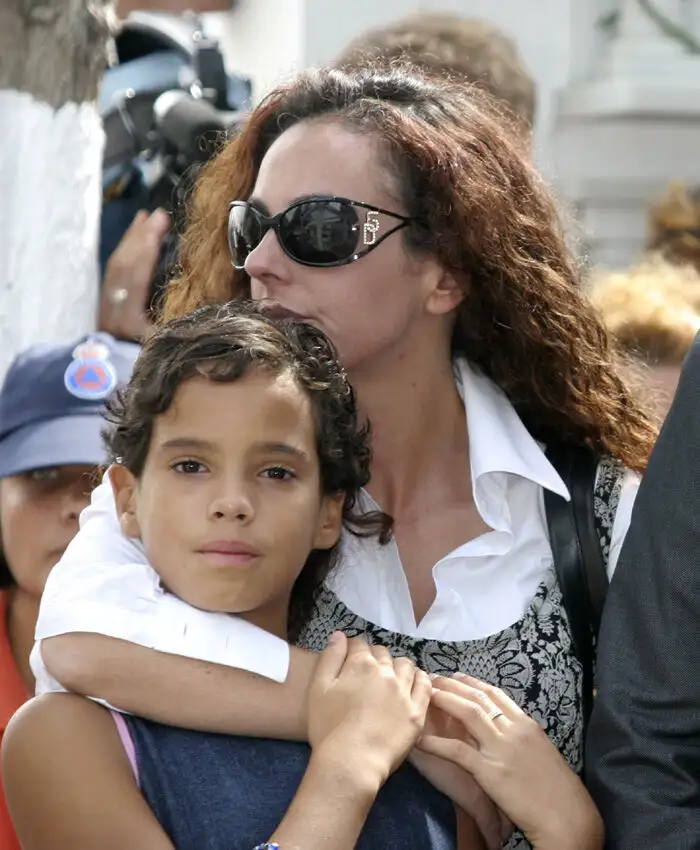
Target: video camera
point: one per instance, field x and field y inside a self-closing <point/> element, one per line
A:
<point x="165" y="107"/>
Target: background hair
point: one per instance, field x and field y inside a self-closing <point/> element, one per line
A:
<point x="221" y="343"/>
<point x="674" y="225"/>
<point x="482" y="210"/>
<point x="652" y="309"/>
<point x="470" y="49"/>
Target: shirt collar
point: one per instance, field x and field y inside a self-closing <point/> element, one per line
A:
<point x="498" y="440"/>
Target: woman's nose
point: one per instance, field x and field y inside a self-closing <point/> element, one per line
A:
<point x="267" y="260"/>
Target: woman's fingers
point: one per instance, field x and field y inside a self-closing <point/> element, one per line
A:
<point x="514" y="761"/>
<point x="501" y="699"/>
<point x="451" y="749"/>
<point x="480" y="718"/>
<point x="492" y="699"/>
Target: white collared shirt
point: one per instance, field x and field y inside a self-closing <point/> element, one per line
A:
<point x="104" y="584"/>
<point x="486" y="584"/>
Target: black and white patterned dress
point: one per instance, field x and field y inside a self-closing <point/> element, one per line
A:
<point x="532" y="661"/>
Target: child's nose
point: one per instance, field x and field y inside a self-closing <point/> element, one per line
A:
<point x="234" y="505"/>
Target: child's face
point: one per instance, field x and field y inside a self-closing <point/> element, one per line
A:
<point x="39" y="517"/>
<point x="229" y="504"/>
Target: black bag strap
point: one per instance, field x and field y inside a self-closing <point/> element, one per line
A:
<point x="578" y="558"/>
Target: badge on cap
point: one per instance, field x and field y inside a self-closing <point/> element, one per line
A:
<point x="91" y="376"/>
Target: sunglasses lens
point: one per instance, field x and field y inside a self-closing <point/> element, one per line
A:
<point x="320" y="232"/>
<point x="244" y="233"/>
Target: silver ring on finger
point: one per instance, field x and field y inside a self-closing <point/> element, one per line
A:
<point x="494" y="715"/>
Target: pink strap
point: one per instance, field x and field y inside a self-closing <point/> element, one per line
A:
<point x="127" y="743"/>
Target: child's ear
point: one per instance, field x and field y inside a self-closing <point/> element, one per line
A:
<point x="124" y="489"/>
<point x="330" y="521"/>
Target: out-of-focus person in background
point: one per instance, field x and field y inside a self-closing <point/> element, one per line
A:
<point x="453" y="46"/>
<point x="165" y="107"/>
<point x="674" y="225"/>
<point x="51" y="405"/>
<point x="653" y="311"/>
<point x="129" y="274"/>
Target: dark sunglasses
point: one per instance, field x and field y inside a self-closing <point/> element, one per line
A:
<point x="318" y="231"/>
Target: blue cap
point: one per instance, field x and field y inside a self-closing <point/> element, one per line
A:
<point x="52" y="401"/>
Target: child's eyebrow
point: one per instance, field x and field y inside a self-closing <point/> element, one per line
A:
<point x="185" y="443"/>
<point x="284" y="449"/>
<point x="196" y="444"/>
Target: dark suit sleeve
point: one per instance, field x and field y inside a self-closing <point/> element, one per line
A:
<point x="643" y="749"/>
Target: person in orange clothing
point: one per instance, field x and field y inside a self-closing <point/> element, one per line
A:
<point x="13" y="692"/>
<point x="50" y="448"/>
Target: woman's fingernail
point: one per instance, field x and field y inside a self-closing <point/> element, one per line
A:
<point x="460" y="676"/>
<point x="335" y="637"/>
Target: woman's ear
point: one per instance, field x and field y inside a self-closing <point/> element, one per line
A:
<point x="446" y="293"/>
<point x="124" y="487"/>
<point x="330" y="521"/>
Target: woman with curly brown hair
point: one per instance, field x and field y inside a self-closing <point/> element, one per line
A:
<point x="400" y="216"/>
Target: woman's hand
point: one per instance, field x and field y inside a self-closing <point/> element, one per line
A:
<point x="456" y="783"/>
<point x="366" y="709"/>
<point x="515" y="763"/>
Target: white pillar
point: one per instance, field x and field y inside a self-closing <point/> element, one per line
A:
<point x="50" y="186"/>
<point x="51" y="143"/>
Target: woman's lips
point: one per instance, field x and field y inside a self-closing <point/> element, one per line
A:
<point x="276" y="311"/>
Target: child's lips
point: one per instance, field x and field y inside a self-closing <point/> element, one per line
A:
<point x="230" y="552"/>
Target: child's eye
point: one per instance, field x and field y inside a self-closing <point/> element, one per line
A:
<point x="278" y="473"/>
<point x="189" y="467"/>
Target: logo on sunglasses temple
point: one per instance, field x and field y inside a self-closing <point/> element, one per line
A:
<point x="370" y="228"/>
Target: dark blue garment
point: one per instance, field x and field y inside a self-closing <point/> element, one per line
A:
<point x="215" y="792"/>
<point x="117" y="216"/>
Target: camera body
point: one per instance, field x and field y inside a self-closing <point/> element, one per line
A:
<point x="165" y="106"/>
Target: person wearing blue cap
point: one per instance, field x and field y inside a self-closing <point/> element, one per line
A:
<point x="51" y="406"/>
